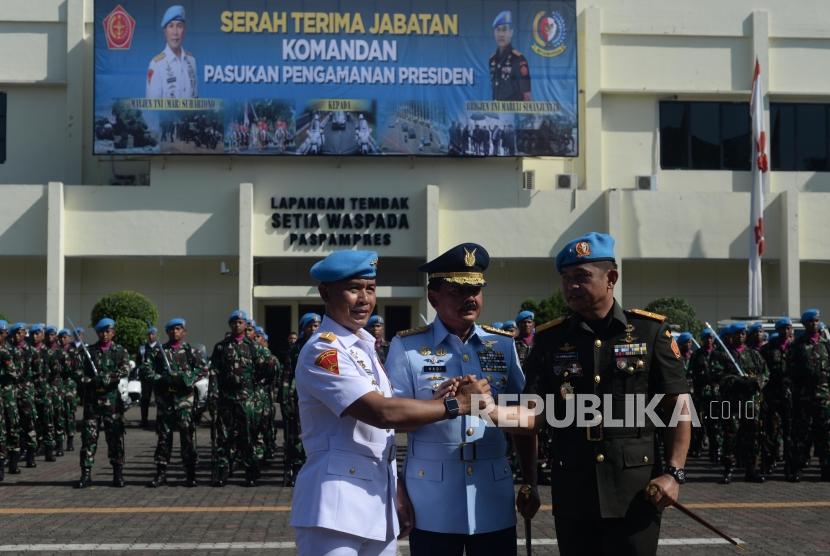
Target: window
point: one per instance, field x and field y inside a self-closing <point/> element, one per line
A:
<point x="705" y="135"/>
<point x="2" y="128"/>
<point x="800" y="137"/>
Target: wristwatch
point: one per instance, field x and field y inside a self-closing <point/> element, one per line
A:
<point x="452" y="407"/>
<point x="678" y="473"/>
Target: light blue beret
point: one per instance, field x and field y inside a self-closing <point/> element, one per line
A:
<point x="259" y="330"/>
<point x="783" y="323"/>
<point x="375" y="319"/>
<point x="152" y="330"/>
<point x="508" y="324"/>
<point x="342" y="265"/>
<point x="51" y="329"/>
<point x="706" y="333"/>
<point x="178" y="321"/>
<point x="774" y="336"/>
<point x="36" y="327"/>
<point x="16" y="326"/>
<point x="80" y="329"/>
<point x="238" y="314"/>
<point x="756" y="326"/>
<point x="265" y="336"/>
<point x="524" y="315"/>
<point x="810" y="314"/>
<point x="726" y="330"/>
<point x="173" y="13"/>
<point x="591" y="247"/>
<point x="63" y="332"/>
<point x="684" y="337"/>
<point x="498" y="324"/>
<point x="4" y="325"/>
<point x="104" y="323"/>
<point x="738" y="327"/>
<point x="504" y="18"/>
<point x="307" y="318"/>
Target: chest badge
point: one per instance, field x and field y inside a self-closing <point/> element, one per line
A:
<point x="440" y="352"/>
<point x="425" y="351"/>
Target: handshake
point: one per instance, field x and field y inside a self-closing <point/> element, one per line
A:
<point x="468" y="390"/>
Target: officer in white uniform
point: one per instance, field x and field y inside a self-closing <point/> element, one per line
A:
<point x="457" y="474"/>
<point x="172" y="73"/>
<point x="344" y="503"/>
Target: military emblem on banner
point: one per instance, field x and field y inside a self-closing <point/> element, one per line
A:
<point x="119" y="27"/>
<point x="549" y="34"/>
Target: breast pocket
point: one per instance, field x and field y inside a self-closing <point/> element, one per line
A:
<point x="630" y="375"/>
<point x="353" y="466"/>
<point x="424" y="470"/>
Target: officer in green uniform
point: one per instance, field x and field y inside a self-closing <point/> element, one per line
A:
<point x="607" y="493"/>
<point x="237" y="363"/>
<point x="99" y="375"/>
<point x="808" y="369"/>
<point x="55" y="362"/>
<point x="173" y="368"/>
<point x="684" y="342"/>
<point x="43" y="374"/>
<point x="294" y="452"/>
<point x="742" y="432"/>
<point x="706" y="366"/>
<point x="525" y="322"/>
<point x="9" y="426"/>
<point x="266" y="392"/>
<point x="146" y="385"/>
<point x="509" y="73"/>
<point x="23" y="356"/>
<point x="377" y="328"/>
<point x="70" y="364"/>
<point x="776" y="411"/>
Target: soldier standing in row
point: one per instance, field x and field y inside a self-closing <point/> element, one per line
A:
<point x="707" y="365"/>
<point x="55" y="363"/>
<point x="377" y="328"/>
<point x="173" y="368"/>
<point x="144" y="351"/>
<point x="684" y="342"/>
<point x="294" y="452"/>
<point x="43" y="391"/>
<point x="525" y="322"/>
<point x="23" y="356"/>
<point x="70" y="362"/>
<point x="9" y="424"/>
<point x="267" y="435"/>
<point x="742" y="431"/>
<point x="776" y="412"/>
<point x="101" y="368"/>
<point x="808" y="369"/>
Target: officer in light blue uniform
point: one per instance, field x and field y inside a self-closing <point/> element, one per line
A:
<point x="457" y="474"/>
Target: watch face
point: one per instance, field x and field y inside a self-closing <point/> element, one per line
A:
<point x="452" y="405"/>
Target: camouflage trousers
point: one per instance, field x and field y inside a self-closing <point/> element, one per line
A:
<point x="710" y="417"/>
<point x="811" y="425"/>
<point x="45" y="418"/>
<point x="237" y="426"/>
<point x="172" y="414"/>
<point x="776" y="416"/>
<point x="9" y="422"/>
<point x="99" y="416"/>
<point x="294" y="451"/>
<point x="58" y="415"/>
<point x="27" y="413"/>
<point x="265" y="439"/>
<point x="70" y="405"/>
<point x="742" y="438"/>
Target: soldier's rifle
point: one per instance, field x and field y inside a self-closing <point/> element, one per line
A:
<point x="728" y="353"/>
<point x="83" y="345"/>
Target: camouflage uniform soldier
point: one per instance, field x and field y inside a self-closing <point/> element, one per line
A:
<point x="9" y="426"/>
<point x="742" y="434"/>
<point x="266" y="391"/>
<point x="23" y="356"/>
<point x="776" y="411"/>
<point x="172" y="369"/>
<point x="236" y="364"/>
<point x="70" y="370"/>
<point x="43" y="391"/>
<point x="146" y="385"/>
<point x="294" y="452"/>
<point x="808" y="368"/>
<point x="55" y="358"/>
<point x="525" y="322"/>
<point x="103" y="407"/>
<point x="376" y="327"/>
<point x="706" y="366"/>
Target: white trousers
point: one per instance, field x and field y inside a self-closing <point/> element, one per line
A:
<point x="319" y="541"/>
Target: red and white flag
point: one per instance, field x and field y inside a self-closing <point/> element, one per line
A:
<point x="760" y="169"/>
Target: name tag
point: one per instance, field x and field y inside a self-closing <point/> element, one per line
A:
<point x="434" y="369"/>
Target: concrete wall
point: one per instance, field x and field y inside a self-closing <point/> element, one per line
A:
<point x="23" y="289"/>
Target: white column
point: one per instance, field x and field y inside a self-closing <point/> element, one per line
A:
<point x="75" y="82"/>
<point x="55" y="261"/>
<point x="790" y="266"/>
<point x="613" y="219"/>
<point x="246" y="247"/>
<point x="433" y="246"/>
<point x="591" y="69"/>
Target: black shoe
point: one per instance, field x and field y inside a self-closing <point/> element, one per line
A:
<point x="50" y="455"/>
<point x="70" y="443"/>
<point x="30" y="458"/>
<point x="160" y="478"/>
<point x="118" y="476"/>
<point x="86" y="478"/>
<point x="220" y="477"/>
<point x="190" y="476"/>
<point x="727" y="476"/>
<point x="825" y="473"/>
<point x="59" y="448"/>
<point x="250" y="476"/>
<point x="754" y="477"/>
<point x="14" y="458"/>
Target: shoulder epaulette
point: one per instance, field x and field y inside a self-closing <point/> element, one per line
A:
<point x="412" y="331"/>
<point x="187" y="53"/>
<point x="550" y="324"/>
<point x="328" y="336"/>
<point x="159" y="57"/>
<point x="493" y="330"/>
<point x="647" y="314"/>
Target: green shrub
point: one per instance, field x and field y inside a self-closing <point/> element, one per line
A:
<point x="132" y="313"/>
<point x="547" y="309"/>
<point x="678" y="312"/>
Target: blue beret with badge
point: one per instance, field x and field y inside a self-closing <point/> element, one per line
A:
<point x="16" y="326"/>
<point x="104" y="323"/>
<point x="508" y="325"/>
<point x="238" y="314"/>
<point x="36" y="327"/>
<point x="504" y="18"/>
<point x="525" y="315"/>
<point x="684" y="337"/>
<point x="307" y="319"/>
<point x="374" y="319"/>
<point x="51" y="330"/>
<point x="4" y="325"/>
<point x="783" y="323"/>
<point x="590" y="248"/>
<point x="464" y="265"/>
<point x="172" y="323"/>
<point x="810" y="314"/>
<point x="342" y="265"/>
<point x="173" y="13"/>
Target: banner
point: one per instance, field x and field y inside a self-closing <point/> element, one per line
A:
<point x="319" y="77"/>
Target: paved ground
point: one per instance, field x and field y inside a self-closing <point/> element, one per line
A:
<point x="41" y="513"/>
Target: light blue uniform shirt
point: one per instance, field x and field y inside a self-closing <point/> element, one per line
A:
<point x="457" y="473"/>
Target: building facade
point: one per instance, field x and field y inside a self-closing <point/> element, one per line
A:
<point x="663" y="86"/>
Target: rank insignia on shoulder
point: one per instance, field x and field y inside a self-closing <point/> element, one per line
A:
<point x="550" y="324"/>
<point x="328" y="361"/>
<point x="491" y="330"/>
<point x="413" y="331"/>
<point x="159" y="57"/>
<point x="328" y="336"/>
<point x="647" y="314"/>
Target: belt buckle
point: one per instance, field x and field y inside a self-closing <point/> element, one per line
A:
<point x="462" y="447"/>
<point x="594" y="437"/>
